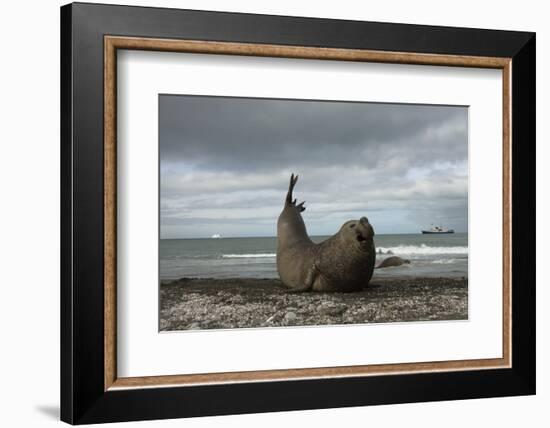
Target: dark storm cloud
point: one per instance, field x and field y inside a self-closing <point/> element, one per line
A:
<point x="290" y="133"/>
<point x="225" y="164"/>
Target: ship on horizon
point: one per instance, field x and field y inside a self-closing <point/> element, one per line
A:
<point x="436" y="230"/>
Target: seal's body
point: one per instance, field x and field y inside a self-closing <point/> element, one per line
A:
<point x="344" y="262"/>
<point x="392" y="261"/>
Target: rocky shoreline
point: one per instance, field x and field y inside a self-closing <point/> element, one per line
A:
<point x="192" y="303"/>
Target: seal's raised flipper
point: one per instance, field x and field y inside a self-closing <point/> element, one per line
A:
<point x="293" y="180"/>
<point x="289" y="201"/>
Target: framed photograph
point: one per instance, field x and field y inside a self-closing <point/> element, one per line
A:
<point x="196" y="280"/>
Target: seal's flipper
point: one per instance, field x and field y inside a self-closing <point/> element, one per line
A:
<point x="289" y="202"/>
<point x="308" y="283"/>
<point x="293" y="180"/>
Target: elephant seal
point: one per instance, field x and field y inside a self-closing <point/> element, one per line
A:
<point x="343" y="262"/>
<point x="392" y="261"/>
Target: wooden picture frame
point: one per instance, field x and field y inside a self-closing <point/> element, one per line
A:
<point x="91" y="390"/>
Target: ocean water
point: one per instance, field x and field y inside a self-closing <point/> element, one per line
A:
<point x="430" y="256"/>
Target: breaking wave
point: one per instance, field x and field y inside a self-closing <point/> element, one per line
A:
<point x="423" y="250"/>
<point x="248" y="256"/>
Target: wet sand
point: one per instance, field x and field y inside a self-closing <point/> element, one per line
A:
<point x="189" y="304"/>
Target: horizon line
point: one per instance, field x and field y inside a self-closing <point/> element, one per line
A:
<point x="272" y="236"/>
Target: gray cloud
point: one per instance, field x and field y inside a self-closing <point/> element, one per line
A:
<point x="225" y="164"/>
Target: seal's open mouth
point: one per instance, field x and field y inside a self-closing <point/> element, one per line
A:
<point x="364" y="232"/>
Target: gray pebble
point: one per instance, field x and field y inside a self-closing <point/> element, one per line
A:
<point x="290" y="316"/>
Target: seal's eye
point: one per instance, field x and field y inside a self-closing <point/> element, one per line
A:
<point x="352" y="226"/>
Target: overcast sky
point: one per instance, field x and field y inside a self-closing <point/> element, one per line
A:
<point x="225" y="164"/>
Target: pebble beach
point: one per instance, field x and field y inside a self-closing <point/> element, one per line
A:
<point x="207" y="303"/>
